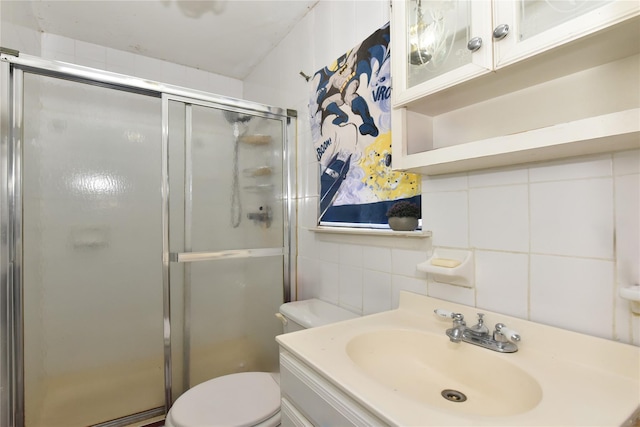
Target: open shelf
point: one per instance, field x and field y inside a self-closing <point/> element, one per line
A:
<point x="604" y="133"/>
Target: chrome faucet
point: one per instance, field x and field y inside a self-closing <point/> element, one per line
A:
<point x="502" y="339"/>
<point x="459" y="326"/>
<point x="479" y="329"/>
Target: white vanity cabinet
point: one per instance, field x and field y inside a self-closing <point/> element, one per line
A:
<point x="562" y="82"/>
<point x="308" y="399"/>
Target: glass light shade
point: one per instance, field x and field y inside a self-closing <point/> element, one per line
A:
<point x="436" y="40"/>
<point x="429" y="38"/>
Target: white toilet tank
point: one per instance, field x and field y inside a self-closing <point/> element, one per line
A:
<point x="311" y="313"/>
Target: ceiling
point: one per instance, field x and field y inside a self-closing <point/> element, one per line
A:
<point x="226" y="37"/>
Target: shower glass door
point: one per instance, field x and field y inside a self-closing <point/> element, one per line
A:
<point x="145" y="242"/>
<point x="227" y="240"/>
<point x="91" y="163"/>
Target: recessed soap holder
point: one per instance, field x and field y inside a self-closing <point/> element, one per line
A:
<point x="632" y="293"/>
<point x="451" y="266"/>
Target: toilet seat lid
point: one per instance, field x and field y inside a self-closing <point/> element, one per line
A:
<point x="241" y="400"/>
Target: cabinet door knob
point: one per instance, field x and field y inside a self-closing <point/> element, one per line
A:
<point x="474" y="44"/>
<point x="500" y="31"/>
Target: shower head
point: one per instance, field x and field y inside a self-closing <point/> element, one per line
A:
<point x="233" y="117"/>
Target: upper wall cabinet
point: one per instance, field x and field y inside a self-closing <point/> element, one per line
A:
<point x="434" y="42"/>
<point x="481" y="83"/>
<point x="541" y="25"/>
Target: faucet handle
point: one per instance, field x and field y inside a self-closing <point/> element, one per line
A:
<point x="446" y="314"/>
<point x="442" y="313"/>
<point x="507" y="333"/>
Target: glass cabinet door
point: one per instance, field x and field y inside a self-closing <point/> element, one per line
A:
<point x="537" y="16"/>
<point x="536" y="26"/>
<point x="437" y="44"/>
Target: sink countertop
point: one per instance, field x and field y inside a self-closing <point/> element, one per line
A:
<point x="584" y="380"/>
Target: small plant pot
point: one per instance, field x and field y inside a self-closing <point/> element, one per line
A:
<point x="404" y="223"/>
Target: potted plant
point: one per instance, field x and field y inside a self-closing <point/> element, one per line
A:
<point x="403" y="216"/>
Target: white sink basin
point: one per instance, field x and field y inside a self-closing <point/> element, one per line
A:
<point x="397" y="363"/>
<point x="422" y="366"/>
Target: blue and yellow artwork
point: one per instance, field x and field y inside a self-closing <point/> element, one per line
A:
<point x="350" y="110"/>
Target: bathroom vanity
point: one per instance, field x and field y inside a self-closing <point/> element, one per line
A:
<point x="400" y="368"/>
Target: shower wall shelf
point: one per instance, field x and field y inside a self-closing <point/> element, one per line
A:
<point x="258" y="171"/>
<point x="90" y="236"/>
<point x="451" y="266"/>
<point x="256" y="139"/>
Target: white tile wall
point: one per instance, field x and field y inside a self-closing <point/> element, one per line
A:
<point x="499" y="218"/>
<point x="328" y="251"/>
<point x="552" y="241"/>
<point x="403" y="283"/>
<point x="504" y="289"/>
<point x="91" y="55"/>
<point x="626" y="162"/>
<point x="351" y="255"/>
<point x="573" y="293"/>
<point x="376" y="259"/>
<point x="329" y="289"/>
<point x="573" y="218"/>
<point x="493" y="177"/>
<point x="404" y="262"/>
<point x="308" y="278"/>
<point x="596" y="166"/>
<point x="376" y="291"/>
<point x="350" y="292"/>
<point x="457" y="294"/>
<point x="446" y="214"/>
<point x="18" y="37"/>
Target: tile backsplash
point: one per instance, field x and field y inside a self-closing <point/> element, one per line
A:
<point x="553" y="248"/>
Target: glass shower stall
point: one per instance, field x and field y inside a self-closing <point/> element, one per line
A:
<point x="146" y="242"/>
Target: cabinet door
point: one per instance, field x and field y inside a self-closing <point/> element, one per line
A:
<point x="429" y="45"/>
<point x="536" y="26"/>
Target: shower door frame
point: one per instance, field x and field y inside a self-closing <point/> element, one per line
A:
<point x="188" y="256"/>
<point x="12" y="69"/>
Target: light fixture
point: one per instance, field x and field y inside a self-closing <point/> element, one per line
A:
<point x="428" y="36"/>
<point x="197" y="8"/>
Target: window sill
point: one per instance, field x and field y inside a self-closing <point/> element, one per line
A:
<point x="411" y="240"/>
<point x="371" y="232"/>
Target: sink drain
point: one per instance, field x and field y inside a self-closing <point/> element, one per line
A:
<point x="453" y="395"/>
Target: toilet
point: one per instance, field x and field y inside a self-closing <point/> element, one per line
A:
<point x="249" y="398"/>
